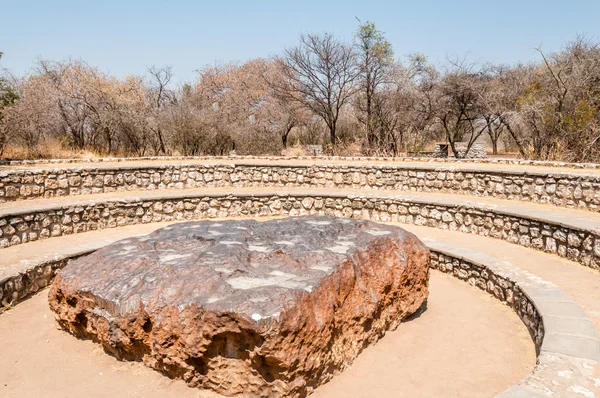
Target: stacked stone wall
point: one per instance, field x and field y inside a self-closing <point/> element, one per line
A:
<point x="577" y="245"/>
<point x="559" y="189"/>
<point x="477" y="151"/>
<point x="15" y="288"/>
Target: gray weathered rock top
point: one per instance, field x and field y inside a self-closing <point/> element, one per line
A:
<point x="243" y="266"/>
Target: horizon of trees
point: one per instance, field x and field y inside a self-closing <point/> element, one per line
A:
<point x="350" y="97"/>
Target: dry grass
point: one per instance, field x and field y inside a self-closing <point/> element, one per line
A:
<point x="348" y="149"/>
<point x="51" y="149"/>
<point x="55" y="149"/>
<point x="295" y="150"/>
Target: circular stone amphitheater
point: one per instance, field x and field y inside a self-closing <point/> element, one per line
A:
<point x="513" y="307"/>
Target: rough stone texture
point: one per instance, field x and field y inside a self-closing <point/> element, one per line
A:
<point x="243" y="307"/>
<point x="478" y="150"/>
<point x="581" y="245"/>
<point x="559" y="189"/>
<point x="441" y="150"/>
<point x="17" y="286"/>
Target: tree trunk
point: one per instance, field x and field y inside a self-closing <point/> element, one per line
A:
<point x="370" y="135"/>
<point x="454" y="151"/>
<point x="161" y="141"/>
<point x="520" y="146"/>
<point x="332" y="133"/>
<point x="493" y="137"/>
<point x="284" y="136"/>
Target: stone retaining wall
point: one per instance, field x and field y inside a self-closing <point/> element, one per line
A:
<point x="15" y="288"/>
<point x="477" y="151"/>
<point x="577" y="245"/>
<point x="559" y="189"/>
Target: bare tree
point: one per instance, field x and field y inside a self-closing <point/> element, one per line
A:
<point x="8" y="96"/>
<point x="456" y="104"/>
<point x="161" y="96"/>
<point x="562" y="105"/>
<point x="356" y="97"/>
<point x="320" y="73"/>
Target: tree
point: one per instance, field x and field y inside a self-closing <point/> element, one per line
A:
<point x="456" y="104"/>
<point x="34" y="117"/>
<point x="278" y="114"/>
<point x="355" y="97"/>
<point x="501" y="101"/>
<point x="375" y="60"/>
<point x="562" y="104"/>
<point x="237" y="96"/>
<point x="8" y="96"/>
<point x="7" y="93"/>
<point x="189" y="124"/>
<point x="160" y="97"/>
<point x="320" y="74"/>
<point x="94" y="110"/>
<point x="419" y="96"/>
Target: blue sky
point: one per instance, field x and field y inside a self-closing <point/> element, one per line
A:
<point x="123" y="37"/>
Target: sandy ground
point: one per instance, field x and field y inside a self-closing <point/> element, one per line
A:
<point x="465" y="344"/>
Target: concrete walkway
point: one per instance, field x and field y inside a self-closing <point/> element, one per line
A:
<point x="432" y="165"/>
<point x="579" y="282"/>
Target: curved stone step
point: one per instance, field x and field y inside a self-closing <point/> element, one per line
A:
<point x="572" y="234"/>
<point x="571" y="188"/>
<point x="567" y="341"/>
<point x="324" y="158"/>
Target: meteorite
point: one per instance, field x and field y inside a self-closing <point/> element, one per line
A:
<point x="243" y="307"/>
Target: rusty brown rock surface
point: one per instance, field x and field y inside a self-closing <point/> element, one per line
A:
<point x="243" y="307"/>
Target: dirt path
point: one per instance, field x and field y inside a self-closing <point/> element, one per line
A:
<point x="465" y="344"/>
